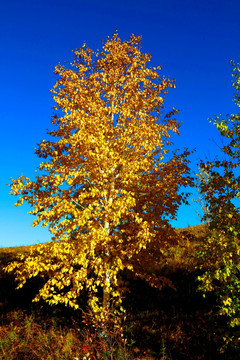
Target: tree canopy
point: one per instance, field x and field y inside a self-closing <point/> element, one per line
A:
<point x="108" y="184"/>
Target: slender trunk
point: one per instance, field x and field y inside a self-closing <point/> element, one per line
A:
<point x="106" y="303"/>
<point x="106" y="295"/>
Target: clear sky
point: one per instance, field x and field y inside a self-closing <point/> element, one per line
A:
<point x="192" y="40"/>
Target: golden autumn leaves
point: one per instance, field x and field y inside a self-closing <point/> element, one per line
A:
<point x="105" y="189"/>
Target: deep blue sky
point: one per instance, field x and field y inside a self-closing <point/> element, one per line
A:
<point x="193" y="41"/>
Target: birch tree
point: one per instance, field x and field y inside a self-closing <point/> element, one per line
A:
<point x="108" y="184"/>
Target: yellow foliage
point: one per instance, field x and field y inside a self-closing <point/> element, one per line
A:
<point x="106" y="189"/>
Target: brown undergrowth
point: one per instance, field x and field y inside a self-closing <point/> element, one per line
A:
<point x="172" y="324"/>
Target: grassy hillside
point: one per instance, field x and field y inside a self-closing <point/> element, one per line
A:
<point x="168" y="324"/>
